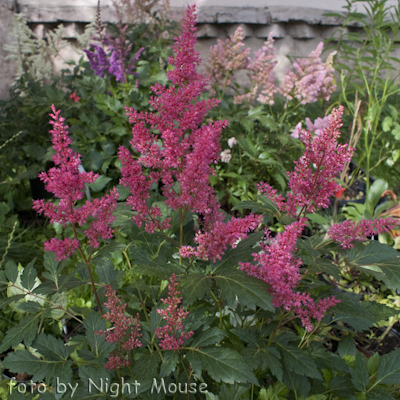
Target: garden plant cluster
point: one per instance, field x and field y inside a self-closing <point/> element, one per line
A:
<point x="173" y="235"/>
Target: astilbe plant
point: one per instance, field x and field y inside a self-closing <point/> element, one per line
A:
<point x="310" y="79"/>
<point x="311" y="185"/>
<point x="67" y="183"/>
<point x="125" y="330"/>
<point x="172" y="335"/>
<point x="180" y="154"/>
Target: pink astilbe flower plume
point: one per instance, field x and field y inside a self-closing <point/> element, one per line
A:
<point x="277" y="266"/>
<point x="67" y="183"/>
<point x="348" y="231"/>
<point x="313" y="180"/>
<point x="172" y="335"/>
<point x="181" y="153"/>
<point x="125" y="330"/>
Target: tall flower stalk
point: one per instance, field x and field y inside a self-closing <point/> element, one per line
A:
<point x="178" y="151"/>
<point x="67" y="183"/>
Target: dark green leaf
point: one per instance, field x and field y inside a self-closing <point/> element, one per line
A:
<point x="210" y="336"/>
<point x="24" y="331"/>
<point x="30" y="306"/>
<point x="359" y="374"/>
<point x="222" y="364"/>
<point x="347" y="346"/>
<point x="171" y="358"/>
<point x="100" y="183"/>
<point x="371" y="253"/>
<point x="248" y="290"/>
<point x="100" y="347"/>
<point x="389" y="369"/>
<point x="11" y="271"/>
<point x="194" y="287"/>
<point x="8" y="300"/>
<point x="29" y="275"/>
<point x="53" y="365"/>
<point x="146" y="366"/>
<point x="296" y="382"/>
<point x="263" y="357"/>
<point x="298" y="361"/>
<point x="105" y="270"/>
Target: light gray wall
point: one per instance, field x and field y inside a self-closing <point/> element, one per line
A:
<point x="298" y="25"/>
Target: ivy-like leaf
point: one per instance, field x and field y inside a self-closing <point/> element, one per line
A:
<point x="222" y="364"/>
<point x="25" y="331"/>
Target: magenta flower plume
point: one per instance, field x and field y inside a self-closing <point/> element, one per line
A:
<point x="172" y="335"/>
<point x="180" y="155"/>
<point x="125" y="330"/>
<point x="67" y="183"/>
<point x="313" y="180"/>
<point x="348" y="231"/>
<point x="277" y="266"/>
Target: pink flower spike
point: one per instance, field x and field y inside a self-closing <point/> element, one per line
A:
<point x="125" y="330"/>
<point x="277" y="266"/>
<point x="67" y="183"/>
<point x="172" y="335"/>
<point x="311" y="186"/>
<point x="348" y="231"/>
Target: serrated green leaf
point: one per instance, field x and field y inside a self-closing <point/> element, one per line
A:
<point x="109" y="248"/>
<point x="296" y="382"/>
<point x="100" y="347"/>
<point x="391" y="270"/>
<point x="210" y="336"/>
<point x="222" y="364"/>
<point x="298" y="361"/>
<point x="171" y="358"/>
<point x="263" y="357"/>
<point x="371" y="253"/>
<point x="359" y="373"/>
<point x="249" y="291"/>
<point x="389" y="369"/>
<point x="25" y="331"/>
<point x="100" y="183"/>
<point x="341" y="386"/>
<point x="53" y="266"/>
<point x="248" y="336"/>
<point x="146" y="366"/>
<point x="105" y="270"/>
<point x="194" y="287"/>
<point x="53" y="365"/>
<point x="30" y="306"/>
<point x="11" y="271"/>
<point x="346" y="346"/>
<point x="326" y="359"/>
<point x="29" y="275"/>
<point x="8" y="300"/>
